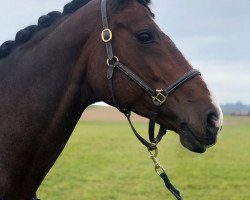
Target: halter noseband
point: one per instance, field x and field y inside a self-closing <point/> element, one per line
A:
<point x="159" y="96"/>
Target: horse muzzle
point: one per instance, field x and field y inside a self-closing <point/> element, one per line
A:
<point x="199" y="141"/>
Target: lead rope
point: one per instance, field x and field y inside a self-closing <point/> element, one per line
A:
<point x="35" y="198"/>
<point x="162" y="173"/>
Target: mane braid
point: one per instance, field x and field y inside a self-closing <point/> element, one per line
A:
<point x="44" y="21"/>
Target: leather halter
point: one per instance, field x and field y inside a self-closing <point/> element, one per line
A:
<point x="159" y="96"/>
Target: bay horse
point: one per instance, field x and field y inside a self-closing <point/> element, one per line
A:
<point x="53" y="71"/>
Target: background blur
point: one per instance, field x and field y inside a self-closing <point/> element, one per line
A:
<point x="213" y="35"/>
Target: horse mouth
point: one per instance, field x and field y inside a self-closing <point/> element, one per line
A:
<point x="190" y="141"/>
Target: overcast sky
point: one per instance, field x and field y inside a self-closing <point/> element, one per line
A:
<point x="214" y="36"/>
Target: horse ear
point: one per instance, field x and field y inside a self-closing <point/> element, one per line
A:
<point x="145" y="2"/>
<point x="123" y="1"/>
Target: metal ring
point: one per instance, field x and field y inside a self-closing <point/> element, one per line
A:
<point x="104" y="39"/>
<point x="159" y="169"/>
<point x="115" y="59"/>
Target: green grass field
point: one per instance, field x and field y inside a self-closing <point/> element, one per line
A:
<point x="104" y="161"/>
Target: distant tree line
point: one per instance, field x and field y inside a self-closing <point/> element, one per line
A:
<point x="236" y="109"/>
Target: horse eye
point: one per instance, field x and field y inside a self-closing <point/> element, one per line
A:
<point x="145" y="37"/>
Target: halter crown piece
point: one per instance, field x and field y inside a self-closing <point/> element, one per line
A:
<point x="159" y="97"/>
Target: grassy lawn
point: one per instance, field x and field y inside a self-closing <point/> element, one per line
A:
<point x="104" y="161"/>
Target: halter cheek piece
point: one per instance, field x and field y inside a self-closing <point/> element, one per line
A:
<point x="159" y="96"/>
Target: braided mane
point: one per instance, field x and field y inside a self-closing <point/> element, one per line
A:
<point x="45" y="21"/>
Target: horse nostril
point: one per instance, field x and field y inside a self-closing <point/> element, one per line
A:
<point x="212" y="119"/>
<point x="212" y="125"/>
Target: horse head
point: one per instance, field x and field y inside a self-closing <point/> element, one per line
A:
<point x="137" y="42"/>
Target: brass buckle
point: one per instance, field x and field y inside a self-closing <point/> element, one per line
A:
<point x="104" y="35"/>
<point x="159" y="97"/>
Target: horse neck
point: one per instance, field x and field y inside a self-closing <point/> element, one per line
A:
<point x="52" y="92"/>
